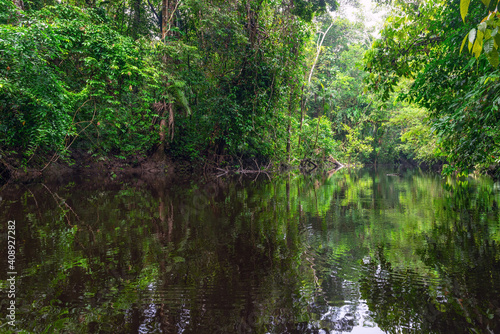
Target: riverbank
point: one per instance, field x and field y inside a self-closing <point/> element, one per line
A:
<point x="12" y="168"/>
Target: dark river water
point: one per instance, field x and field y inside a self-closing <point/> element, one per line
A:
<point x="347" y="252"/>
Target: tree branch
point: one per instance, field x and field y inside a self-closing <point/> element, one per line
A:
<point x="155" y="14"/>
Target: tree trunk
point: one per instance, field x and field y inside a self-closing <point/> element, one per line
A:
<point x="303" y="100"/>
<point x="167" y="12"/>
<point x="290" y="108"/>
<point x="288" y="142"/>
<point x="19" y="4"/>
<point x="164" y="19"/>
<point x="318" y="50"/>
<point x="136" y="23"/>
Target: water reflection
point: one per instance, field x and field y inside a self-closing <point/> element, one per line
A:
<point x="352" y="252"/>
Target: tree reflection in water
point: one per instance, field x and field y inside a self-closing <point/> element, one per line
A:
<point x="356" y="251"/>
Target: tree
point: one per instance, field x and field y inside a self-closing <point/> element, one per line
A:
<point x="125" y="76"/>
<point x="462" y="95"/>
<point x="485" y="37"/>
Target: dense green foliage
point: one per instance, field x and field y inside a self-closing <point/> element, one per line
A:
<point x="67" y="75"/>
<point x="422" y="41"/>
<point x="485" y="37"/>
<point x="220" y="82"/>
<point x="249" y="80"/>
<point x="368" y="129"/>
<point x="224" y="81"/>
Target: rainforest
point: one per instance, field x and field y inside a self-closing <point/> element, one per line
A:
<point x="249" y="166"/>
<point x="248" y="85"/>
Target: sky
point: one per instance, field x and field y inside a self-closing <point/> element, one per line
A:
<point x="373" y="16"/>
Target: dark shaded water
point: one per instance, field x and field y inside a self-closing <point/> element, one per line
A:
<point x="356" y="251"/>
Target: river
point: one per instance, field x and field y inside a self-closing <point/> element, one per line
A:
<point x="355" y="251"/>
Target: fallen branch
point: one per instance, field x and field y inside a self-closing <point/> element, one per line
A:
<point x="335" y="161"/>
<point x="308" y="161"/>
<point x="60" y="200"/>
<point x="240" y="170"/>
<point x="333" y="171"/>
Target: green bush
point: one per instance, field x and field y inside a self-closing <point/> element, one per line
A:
<point x="67" y="78"/>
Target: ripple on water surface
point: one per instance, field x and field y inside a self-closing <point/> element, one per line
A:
<point x="352" y="252"/>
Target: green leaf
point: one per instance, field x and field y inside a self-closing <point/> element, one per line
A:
<point x="487" y="34"/>
<point x="478" y="44"/>
<point x="497" y="40"/>
<point x="493" y="58"/>
<point x="464" y="8"/>
<point x="470" y="63"/>
<point x="463" y="43"/>
<point x="482" y="26"/>
<point x="489" y="45"/>
<point x="486" y="3"/>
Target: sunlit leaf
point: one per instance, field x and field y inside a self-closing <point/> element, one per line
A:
<point x="463" y="43"/>
<point x="464" y="8"/>
<point x="478" y="44"/>
<point x="472" y="35"/>
<point x="487" y="34"/>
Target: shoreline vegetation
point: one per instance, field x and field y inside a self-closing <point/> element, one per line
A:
<point x="113" y="168"/>
<point x="246" y="86"/>
<point x="81" y="162"/>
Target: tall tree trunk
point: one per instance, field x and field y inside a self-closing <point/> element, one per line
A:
<point x="136" y="23"/>
<point x="319" y="44"/>
<point x="303" y="100"/>
<point x="19" y="4"/>
<point x="302" y="108"/>
<point x="288" y="142"/>
<point x="290" y="113"/>
<point x="167" y="13"/>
